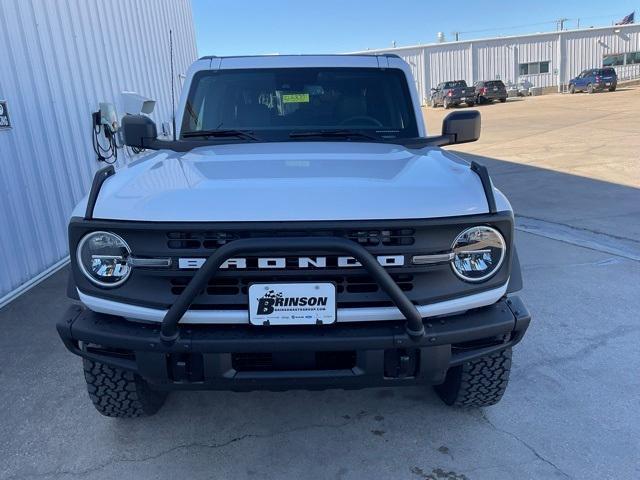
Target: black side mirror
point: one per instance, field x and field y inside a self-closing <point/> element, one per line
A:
<point x="139" y="131"/>
<point x="462" y="127"/>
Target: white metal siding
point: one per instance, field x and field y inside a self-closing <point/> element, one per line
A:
<point x="448" y="63"/>
<point x="537" y="49"/>
<point x="415" y="59"/>
<point x="58" y="59"/>
<point x="569" y="52"/>
<point x="495" y="61"/>
<point x="590" y="48"/>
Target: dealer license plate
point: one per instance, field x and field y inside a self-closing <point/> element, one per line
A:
<point x="292" y="303"/>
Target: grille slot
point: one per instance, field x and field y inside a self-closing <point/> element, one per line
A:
<point x="246" y="362"/>
<point x="375" y="238"/>
<point x="209" y="240"/>
<point x="196" y="240"/>
<point x="239" y="286"/>
<point x="292" y="361"/>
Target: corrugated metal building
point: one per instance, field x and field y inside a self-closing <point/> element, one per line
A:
<point x="543" y="59"/>
<point x="58" y="59"/>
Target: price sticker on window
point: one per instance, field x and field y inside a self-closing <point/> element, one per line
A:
<point x="295" y="98"/>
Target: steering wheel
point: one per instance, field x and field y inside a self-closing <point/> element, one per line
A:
<point x="366" y="118"/>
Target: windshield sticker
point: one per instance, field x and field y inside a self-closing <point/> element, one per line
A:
<point x="295" y="98"/>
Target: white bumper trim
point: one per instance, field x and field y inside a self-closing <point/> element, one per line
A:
<point x="372" y="314"/>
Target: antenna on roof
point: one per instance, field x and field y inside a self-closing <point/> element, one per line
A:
<point x="173" y="103"/>
<point x="560" y="23"/>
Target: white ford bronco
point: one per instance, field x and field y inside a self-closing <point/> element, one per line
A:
<point x="301" y="230"/>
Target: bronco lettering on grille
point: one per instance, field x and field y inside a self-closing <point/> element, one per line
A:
<point x="281" y="262"/>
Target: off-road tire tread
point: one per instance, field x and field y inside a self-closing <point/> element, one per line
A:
<point x="478" y="383"/>
<point x="120" y="393"/>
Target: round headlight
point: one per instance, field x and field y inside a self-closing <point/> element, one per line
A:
<point x="102" y="257"/>
<point x="478" y="253"/>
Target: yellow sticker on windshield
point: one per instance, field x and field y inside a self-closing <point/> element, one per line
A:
<point x="295" y="98"/>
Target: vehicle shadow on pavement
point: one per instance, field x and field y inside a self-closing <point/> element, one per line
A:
<point x="581" y="342"/>
<point x="567" y="199"/>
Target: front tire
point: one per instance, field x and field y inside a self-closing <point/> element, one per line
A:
<point x="612" y="89"/>
<point x="572" y="89"/>
<point x="503" y="100"/>
<point x="446" y="104"/>
<point x="478" y="383"/>
<point x="120" y="393"/>
<point x="590" y="88"/>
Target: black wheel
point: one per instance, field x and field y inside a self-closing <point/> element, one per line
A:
<point x="590" y="88"/>
<point x="446" y="104"/>
<point x="478" y="383"/>
<point x="572" y="89"/>
<point x="470" y="103"/>
<point x="120" y="393"/>
<point x="433" y="103"/>
<point x="613" y="88"/>
<point x="502" y="100"/>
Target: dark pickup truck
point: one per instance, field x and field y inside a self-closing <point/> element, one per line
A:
<point x="449" y="94"/>
<point x="487" y="91"/>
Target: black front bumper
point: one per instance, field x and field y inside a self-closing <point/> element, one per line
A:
<point x="243" y="357"/>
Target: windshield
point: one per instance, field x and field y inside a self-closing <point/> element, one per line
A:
<point x="273" y="104"/>
<point x="456" y="84"/>
<point x="494" y="83"/>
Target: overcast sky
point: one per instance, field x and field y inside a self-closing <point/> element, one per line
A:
<point x="244" y="27"/>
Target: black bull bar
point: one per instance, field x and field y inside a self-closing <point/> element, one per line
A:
<point x="170" y="332"/>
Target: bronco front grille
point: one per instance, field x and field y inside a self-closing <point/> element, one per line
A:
<point x="160" y="287"/>
<point x="210" y="240"/>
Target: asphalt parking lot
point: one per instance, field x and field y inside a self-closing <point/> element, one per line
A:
<point x="571" y="167"/>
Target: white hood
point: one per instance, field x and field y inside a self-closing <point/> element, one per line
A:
<point x="293" y="181"/>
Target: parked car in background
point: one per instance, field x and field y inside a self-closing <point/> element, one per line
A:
<point x="453" y="93"/>
<point x="520" y="89"/>
<point x="595" y="79"/>
<point x="487" y="91"/>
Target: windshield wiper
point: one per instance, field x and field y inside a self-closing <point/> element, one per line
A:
<point x="343" y="133"/>
<point x="247" y="134"/>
